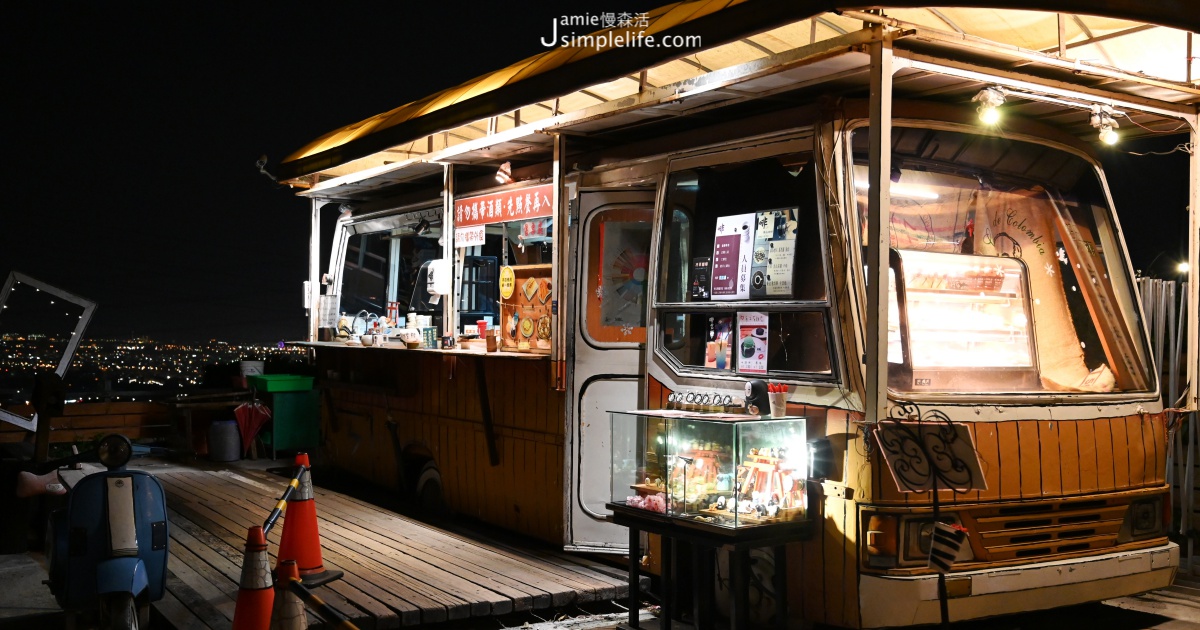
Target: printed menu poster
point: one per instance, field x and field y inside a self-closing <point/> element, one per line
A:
<point x="732" y="250"/>
<point x="752" y="343"/>
<point x="701" y="266"/>
<point x="774" y="253"/>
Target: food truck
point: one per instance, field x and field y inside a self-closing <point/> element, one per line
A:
<point x="894" y="219"/>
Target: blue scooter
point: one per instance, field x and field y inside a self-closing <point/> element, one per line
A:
<point x="107" y="549"/>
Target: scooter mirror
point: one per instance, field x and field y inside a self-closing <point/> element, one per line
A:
<point x="114" y="451"/>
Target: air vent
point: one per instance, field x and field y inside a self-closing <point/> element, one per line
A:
<point x="1030" y="531"/>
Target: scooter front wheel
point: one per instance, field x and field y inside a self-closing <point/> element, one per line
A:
<point x="121" y="611"/>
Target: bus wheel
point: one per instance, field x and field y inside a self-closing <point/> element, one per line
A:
<point x="427" y="491"/>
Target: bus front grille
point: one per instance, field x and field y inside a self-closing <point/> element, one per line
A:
<point x="1032" y="531"/>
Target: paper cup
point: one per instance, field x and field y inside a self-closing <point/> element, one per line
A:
<point x="778" y="404"/>
<point x="483" y="325"/>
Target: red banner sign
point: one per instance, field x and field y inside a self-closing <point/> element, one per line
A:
<point x="510" y="205"/>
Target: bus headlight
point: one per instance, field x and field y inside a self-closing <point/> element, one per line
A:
<point x="881" y="540"/>
<point x="1144" y="519"/>
<point x="918" y="537"/>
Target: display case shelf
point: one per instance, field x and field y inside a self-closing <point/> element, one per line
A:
<point x="965" y="322"/>
<point x="711" y="470"/>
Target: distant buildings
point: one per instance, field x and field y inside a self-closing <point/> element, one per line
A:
<point x="123" y="369"/>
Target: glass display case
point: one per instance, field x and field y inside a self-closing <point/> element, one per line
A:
<point x="717" y="469"/>
<point x="959" y="321"/>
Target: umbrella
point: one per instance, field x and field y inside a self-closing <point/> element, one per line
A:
<point x="250" y="418"/>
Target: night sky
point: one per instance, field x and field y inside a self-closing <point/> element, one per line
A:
<point x="132" y="131"/>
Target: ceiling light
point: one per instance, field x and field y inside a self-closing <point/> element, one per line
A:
<point x="1108" y="136"/>
<point x="1102" y="119"/>
<point x="504" y="173"/>
<point x="989" y="99"/>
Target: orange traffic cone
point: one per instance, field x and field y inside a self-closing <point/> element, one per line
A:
<point x="256" y="593"/>
<point x="289" y="610"/>
<point x="300" y="540"/>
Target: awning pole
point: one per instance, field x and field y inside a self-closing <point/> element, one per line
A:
<point x="878" y="230"/>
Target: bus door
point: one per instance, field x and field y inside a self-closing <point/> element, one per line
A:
<point x="610" y="267"/>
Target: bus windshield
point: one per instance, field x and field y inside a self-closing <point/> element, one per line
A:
<point x="1006" y="272"/>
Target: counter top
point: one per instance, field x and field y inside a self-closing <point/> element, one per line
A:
<point x="397" y="346"/>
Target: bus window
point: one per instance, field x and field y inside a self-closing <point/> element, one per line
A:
<point x="1010" y="270"/>
<point x="741" y="274"/>
<point x="383" y="258"/>
<point x="618" y="256"/>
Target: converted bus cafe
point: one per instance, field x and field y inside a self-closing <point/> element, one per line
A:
<point x="635" y="301"/>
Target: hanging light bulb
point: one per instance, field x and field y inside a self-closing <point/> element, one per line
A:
<point x="989" y="99"/>
<point x="1108" y="136"/>
<point x="1102" y="119"/>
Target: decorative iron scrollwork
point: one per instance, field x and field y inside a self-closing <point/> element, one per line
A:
<point x="925" y="449"/>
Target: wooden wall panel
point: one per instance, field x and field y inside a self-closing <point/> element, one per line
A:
<point x="988" y="447"/>
<point x="1120" y="447"/>
<point x="1089" y="478"/>
<point x="1038" y="458"/>
<point x="834" y="561"/>
<point x="1010" y="457"/>
<point x="1051" y="456"/>
<point x="1137" y="442"/>
<point x="1158" y="425"/>
<point x="438" y="406"/>
<point x="1104" y="455"/>
<point x="1068" y="452"/>
<point x="1031" y="459"/>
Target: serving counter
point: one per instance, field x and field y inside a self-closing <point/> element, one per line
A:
<point x="481" y="432"/>
<point x="472" y="350"/>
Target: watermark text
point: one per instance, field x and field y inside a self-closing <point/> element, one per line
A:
<point x="632" y="33"/>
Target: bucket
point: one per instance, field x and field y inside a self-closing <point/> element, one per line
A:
<point x="224" y="441"/>
<point x="247" y="368"/>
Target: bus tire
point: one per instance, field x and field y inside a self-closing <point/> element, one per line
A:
<point x="427" y="490"/>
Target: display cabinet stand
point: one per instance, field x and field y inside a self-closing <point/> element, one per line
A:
<point x="706" y="540"/>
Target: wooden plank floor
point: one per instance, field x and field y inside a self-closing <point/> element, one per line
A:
<point x="398" y="571"/>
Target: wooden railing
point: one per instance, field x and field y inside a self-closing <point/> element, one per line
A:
<point x="82" y="422"/>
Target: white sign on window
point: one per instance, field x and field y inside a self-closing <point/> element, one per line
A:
<point x="752" y="342"/>
<point x="469" y="236"/>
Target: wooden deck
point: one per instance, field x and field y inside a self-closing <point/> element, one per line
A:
<point x="398" y="571"/>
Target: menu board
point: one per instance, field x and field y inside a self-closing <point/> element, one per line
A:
<point x="753" y="257"/>
<point x="771" y="266"/>
<point x="731" y="260"/>
<point x="752" y="342"/>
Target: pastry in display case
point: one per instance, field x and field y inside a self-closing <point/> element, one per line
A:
<point x="958" y="322"/>
<point x="711" y="468"/>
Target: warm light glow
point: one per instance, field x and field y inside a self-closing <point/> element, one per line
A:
<point x="989" y="115"/>
<point x="989" y="99"/>
<point x="1183" y="267"/>
<point x="1108" y="135"/>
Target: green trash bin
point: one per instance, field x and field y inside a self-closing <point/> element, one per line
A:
<point x="294" y="409"/>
